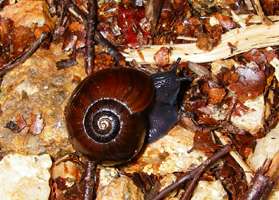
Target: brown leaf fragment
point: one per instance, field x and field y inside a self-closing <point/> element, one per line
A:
<point x="20" y="121"/>
<point x="67" y="182"/>
<point x="36" y="124"/>
<point x="205" y="119"/>
<point x="226" y="21"/>
<point x="244" y="143"/>
<point x="232" y="177"/>
<point x="205" y="42"/>
<point x="149" y="184"/>
<point x="255" y="55"/>
<point x="188" y="123"/>
<point x="25" y="55"/>
<point x="162" y="56"/>
<point x="240" y="109"/>
<point x="271" y="7"/>
<point x="18" y="125"/>
<point x="250" y="84"/>
<point x="12" y="126"/>
<point x="214" y="92"/>
<point x="204" y="142"/>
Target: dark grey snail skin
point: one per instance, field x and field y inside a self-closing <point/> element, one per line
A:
<point x="163" y="114"/>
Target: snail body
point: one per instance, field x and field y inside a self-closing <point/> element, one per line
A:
<point x="114" y="111"/>
<point x="106" y="114"/>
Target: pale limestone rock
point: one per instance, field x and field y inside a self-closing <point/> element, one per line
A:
<point x="169" y="154"/>
<point x="26" y="87"/>
<point x="266" y="148"/>
<point x="25" y="177"/>
<point x="213" y="21"/>
<point x="252" y="120"/>
<point x="209" y="190"/>
<point x="35" y="87"/>
<point x="120" y="188"/>
<point x="274" y="195"/>
<point x="205" y="190"/>
<point x="28" y="13"/>
<point x="217" y="65"/>
<point x="107" y="175"/>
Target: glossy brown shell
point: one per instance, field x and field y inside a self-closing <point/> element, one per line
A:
<point x="128" y="93"/>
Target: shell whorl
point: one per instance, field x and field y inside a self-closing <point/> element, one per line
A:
<point x="105" y="115"/>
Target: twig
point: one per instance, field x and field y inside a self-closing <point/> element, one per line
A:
<point x="63" y="19"/>
<point x="244" y="39"/>
<point x="153" y="11"/>
<point x="198" y="69"/>
<point x="264" y="180"/>
<point x="90" y="25"/>
<point x="261" y="184"/>
<point x="238" y="20"/>
<point x="275" y="63"/>
<point x="247" y="170"/>
<point x="257" y="6"/>
<point x="194" y="174"/>
<point x="89" y="179"/>
<point x="98" y="37"/>
<point x="24" y="56"/>
<point x="273" y="171"/>
<point x="69" y="157"/>
<point x="65" y="63"/>
<point x="77" y="12"/>
<point x="256" y="19"/>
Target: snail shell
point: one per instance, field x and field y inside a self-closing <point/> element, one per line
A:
<point x="105" y="115"/>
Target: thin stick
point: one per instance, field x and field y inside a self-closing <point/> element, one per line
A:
<point x="264" y="180"/>
<point x="257" y="6"/>
<point x="153" y="11"/>
<point x="190" y="189"/>
<point x="194" y="174"/>
<point x="90" y="172"/>
<point x="24" y="56"/>
<point x="244" y="39"/>
<point x="275" y="63"/>
<point x="98" y="37"/>
<point x="91" y="23"/>
<point x="238" y="20"/>
<point x="261" y="184"/>
<point x="247" y="170"/>
<point x="256" y="19"/>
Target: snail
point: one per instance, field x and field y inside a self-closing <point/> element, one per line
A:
<point x="106" y="114"/>
<point x="112" y="112"/>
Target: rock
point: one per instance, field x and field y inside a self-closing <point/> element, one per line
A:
<point x="274" y="195"/>
<point x="205" y="190"/>
<point x="252" y="120"/>
<point x="266" y="148"/>
<point x="28" y="13"/>
<point x="120" y="188"/>
<point x="209" y="190"/>
<point x="25" y="177"/>
<point x="37" y="88"/>
<point x="169" y="154"/>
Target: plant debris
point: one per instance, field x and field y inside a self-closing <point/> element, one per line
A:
<point x="228" y="48"/>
